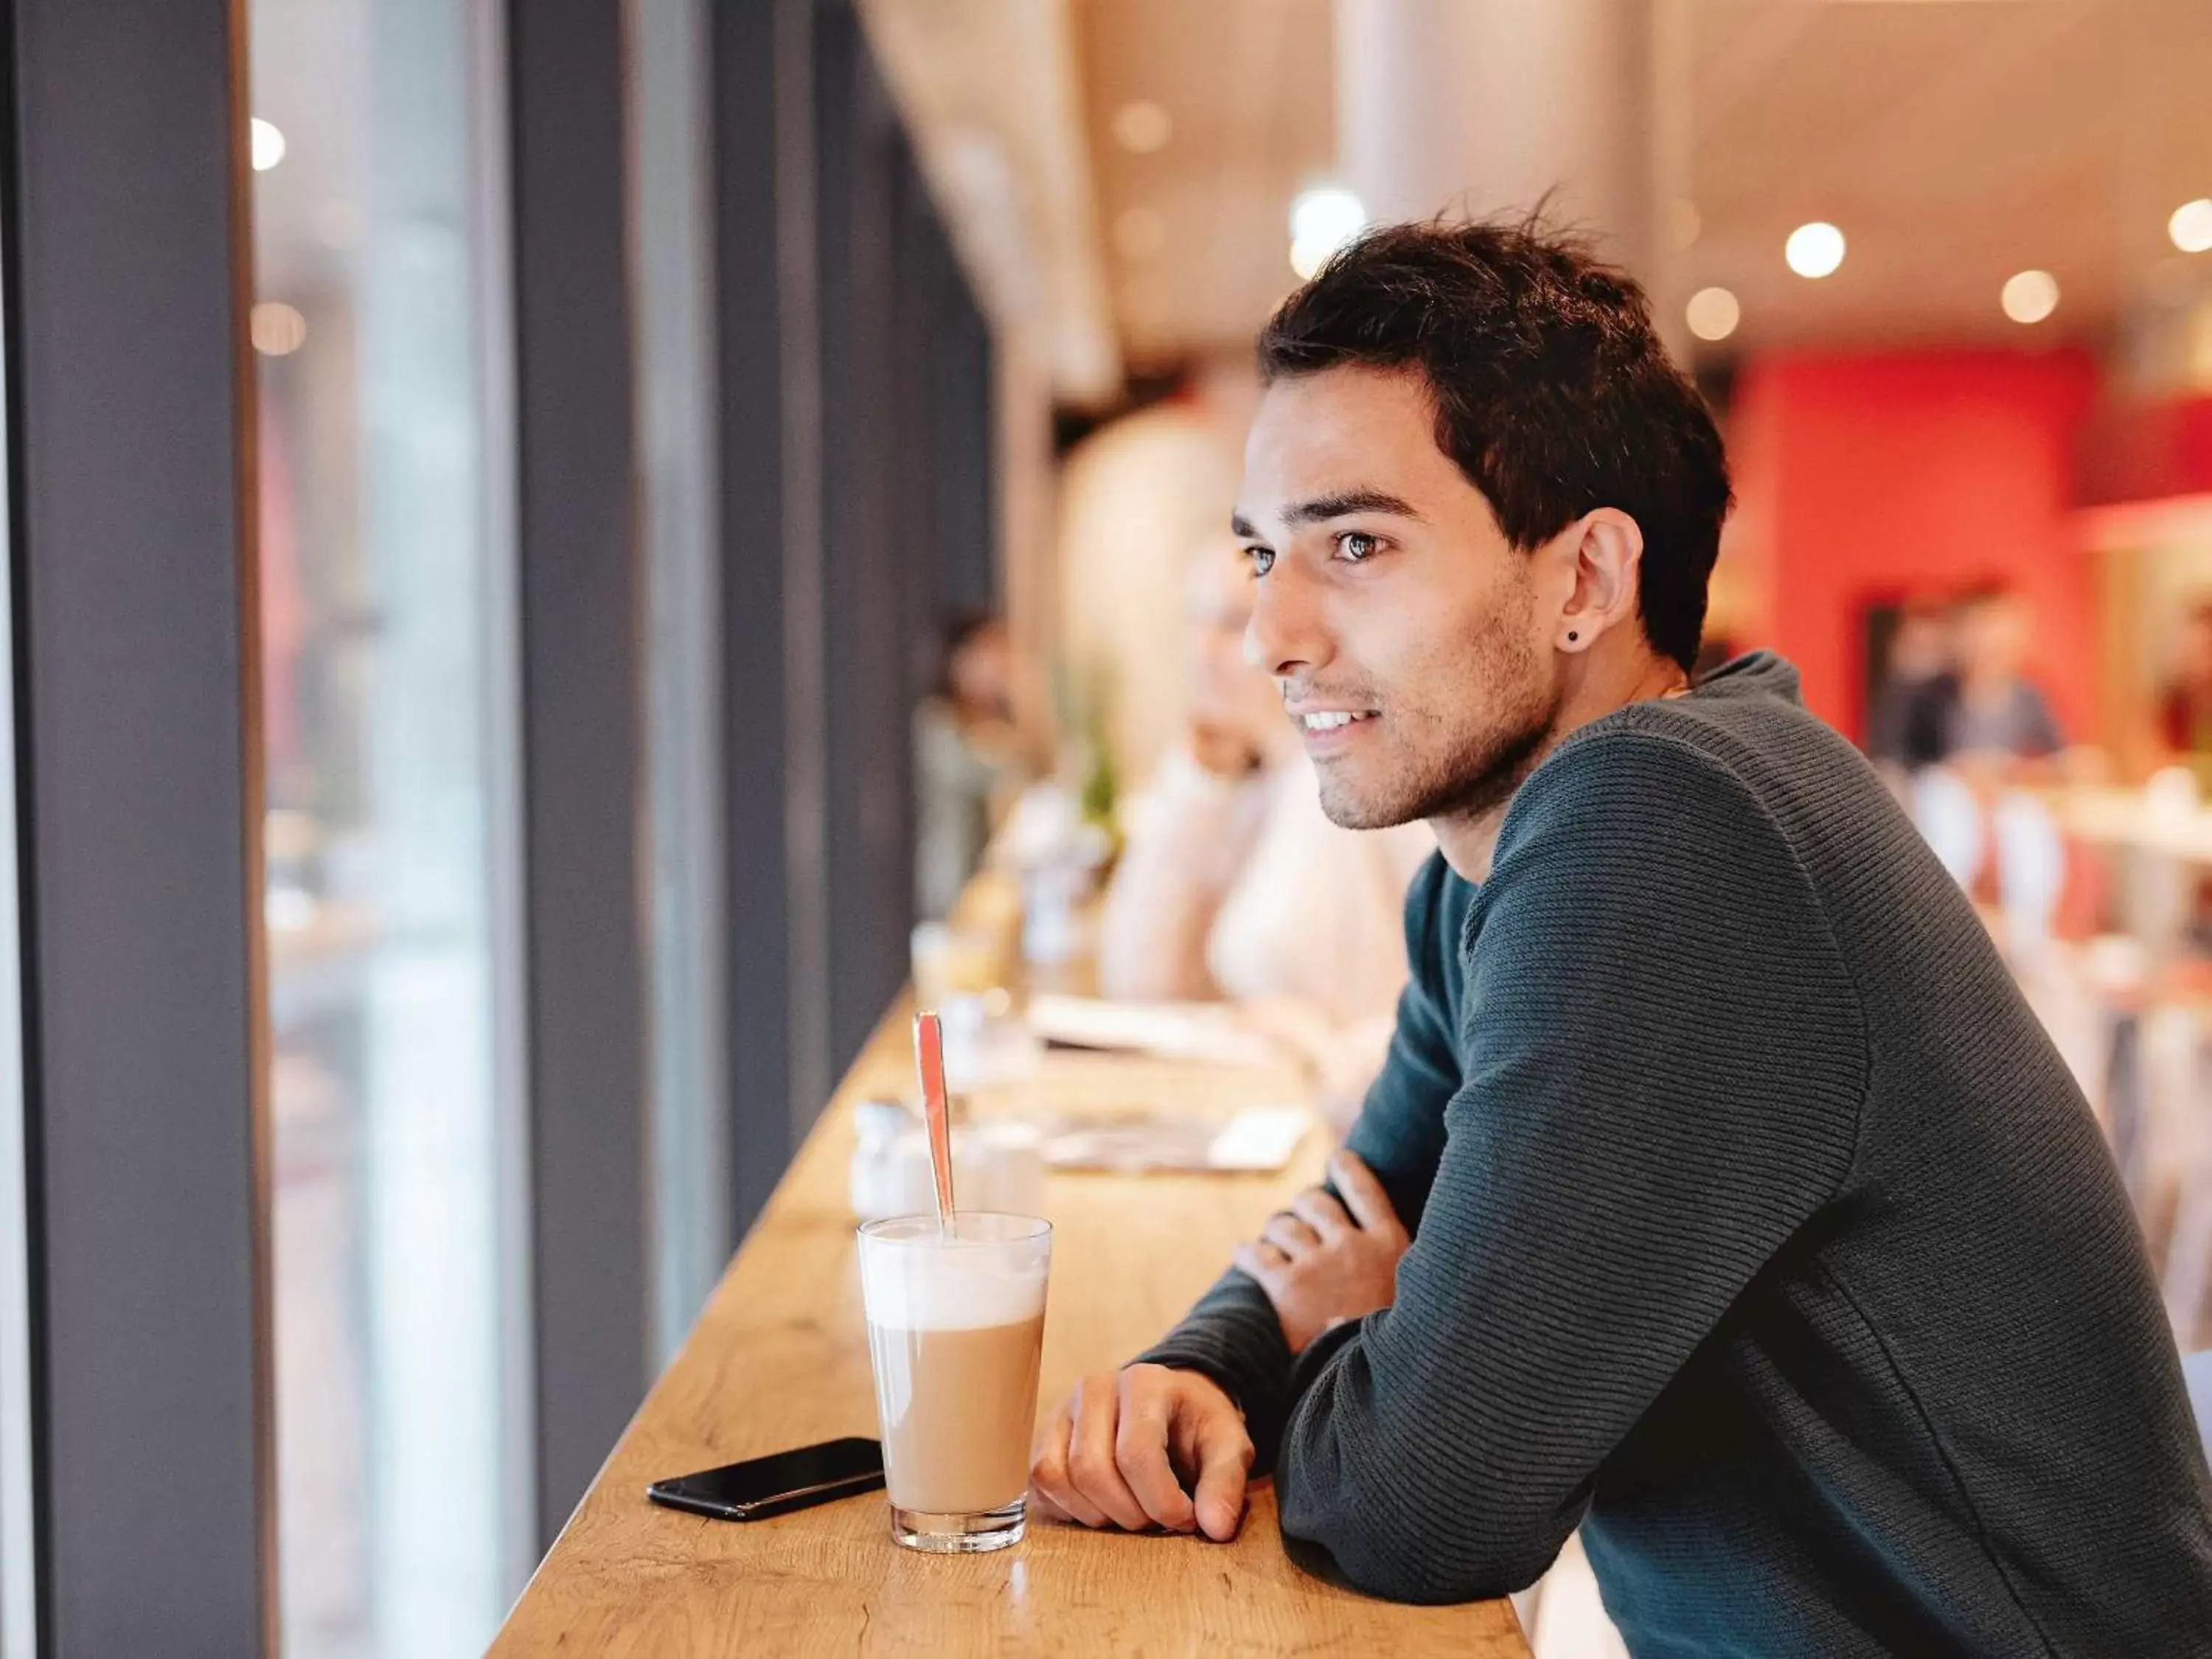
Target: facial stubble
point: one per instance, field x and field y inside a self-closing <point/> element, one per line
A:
<point x="1479" y="755"/>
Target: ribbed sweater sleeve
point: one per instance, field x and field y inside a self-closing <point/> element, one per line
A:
<point x="1664" y="1062"/>
<point x="1232" y="1335"/>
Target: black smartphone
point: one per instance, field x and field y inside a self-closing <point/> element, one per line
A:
<point x="762" y="1487"/>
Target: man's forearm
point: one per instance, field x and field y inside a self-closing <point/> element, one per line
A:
<point x="1233" y="1336"/>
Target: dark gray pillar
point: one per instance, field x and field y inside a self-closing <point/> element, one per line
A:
<point x="919" y="254"/>
<point x="945" y="558"/>
<point x="963" y="434"/>
<point x="583" y="734"/>
<point x="847" y="339"/>
<point x="773" y="742"/>
<point x="129" y="424"/>
<point x="871" y="899"/>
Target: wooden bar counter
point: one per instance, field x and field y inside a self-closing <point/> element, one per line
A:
<point x="779" y="1358"/>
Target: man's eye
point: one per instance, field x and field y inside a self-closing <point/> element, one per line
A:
<point x="1263" y="558"/>
<point x="1353" y="546"/>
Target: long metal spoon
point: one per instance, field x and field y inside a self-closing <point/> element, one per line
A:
<point x="936" y="1114"/>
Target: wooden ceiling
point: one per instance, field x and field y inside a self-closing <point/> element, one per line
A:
<point x="1955" y="142"/>
<point x="1197" y="233"/>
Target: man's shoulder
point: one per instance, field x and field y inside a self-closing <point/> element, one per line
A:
<point x="1668" y="796"/>
<point x="1641" y="773"/>
<point x="1737" y="759"/>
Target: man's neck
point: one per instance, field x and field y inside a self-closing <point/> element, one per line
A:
<point x="1593" y="690"/>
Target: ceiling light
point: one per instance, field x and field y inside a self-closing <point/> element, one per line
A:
<point x="1324" y="218"/>
<point x="1141" y="126"/>
<point x="2191" y="226"/>
<point x="1712" y="313"/>
<point x="2029" y="296"/>
<point x="278" y="330"/>
<point x="1139" y="233"/>
<point x="1814" y="250"/>
<point x="268" y="144"/>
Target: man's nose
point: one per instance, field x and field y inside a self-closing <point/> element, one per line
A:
<point x="1285" y="634"/>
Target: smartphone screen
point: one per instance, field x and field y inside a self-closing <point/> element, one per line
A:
<point x="779" y="1482"/>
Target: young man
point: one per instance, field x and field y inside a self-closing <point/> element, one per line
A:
<point x="1725" y="1197"/>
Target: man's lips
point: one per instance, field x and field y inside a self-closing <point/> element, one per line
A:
<point x="1331" y="719"/>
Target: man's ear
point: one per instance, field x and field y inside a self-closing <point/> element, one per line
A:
<point x="1607" y="546"/>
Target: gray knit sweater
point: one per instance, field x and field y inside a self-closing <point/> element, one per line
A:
<point x="1758" y="1229"/>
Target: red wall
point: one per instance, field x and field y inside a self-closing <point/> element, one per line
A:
<point x="1866" y="478"/>
<point x="2148" y="452"/>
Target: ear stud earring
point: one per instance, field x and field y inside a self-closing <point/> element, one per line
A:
<point x="1572" y="636"/>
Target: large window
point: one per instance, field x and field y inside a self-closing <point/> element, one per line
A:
<point x="671" y="263"/>
<point x="381" y="326"/>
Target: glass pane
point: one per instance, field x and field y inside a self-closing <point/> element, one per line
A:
<point x="17" y="1598"/>
<point x="390" y="734"/>
<point x="669" y="262"/>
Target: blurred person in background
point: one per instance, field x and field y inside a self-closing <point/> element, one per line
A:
<point x="1985" y="711"/>
<point x="1133" y="499"/>
<point x="2186" y="707"/>
<point x="1921" y="652"/>
<point x="1233" y="882"/>
<point x="2184" y="738"/>
<point x="967" y="758"/>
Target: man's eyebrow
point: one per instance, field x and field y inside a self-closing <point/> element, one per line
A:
<point x="1321" y="508"/>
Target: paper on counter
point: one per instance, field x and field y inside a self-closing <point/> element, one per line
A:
<point x="1260" y="1141"/>
<point x="1168" y="1030"/>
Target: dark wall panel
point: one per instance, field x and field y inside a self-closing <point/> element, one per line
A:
<point x="583" y="734"/>
<point x="965" y="432"/>
<point x="763" y="148"/>
<point x="919" y="277"/>
<point x="137" y="642"/>
<point x="852" y="521"/>
<point x="871" y="899"/>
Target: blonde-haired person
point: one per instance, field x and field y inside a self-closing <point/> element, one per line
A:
<point x="1233" y="882"/>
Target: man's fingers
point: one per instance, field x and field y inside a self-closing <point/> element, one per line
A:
<point x="1044" y="1506"/>
<point x="1140" y="1447"/>
<point x="1320" y="1211"/>
<point x="1049" y="1480"/>
<point x="1223" y="1455"/>
<point x="1289" y="1235"/>
<point x="1247" y="1259"/>
<point x="1364" y="1195"/>
<point x="1093" y="1468"/>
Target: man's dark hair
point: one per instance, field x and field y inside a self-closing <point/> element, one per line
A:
<point x="1552" y="393"/>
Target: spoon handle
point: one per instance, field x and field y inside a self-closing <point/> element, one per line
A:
<point x="929" y="1063"/>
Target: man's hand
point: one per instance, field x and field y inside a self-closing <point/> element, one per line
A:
<point x="1118" y="1454"/>
<point x="1320" y="1265"/>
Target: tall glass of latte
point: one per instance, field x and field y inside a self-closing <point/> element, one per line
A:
<point x="956" y="1326"/>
